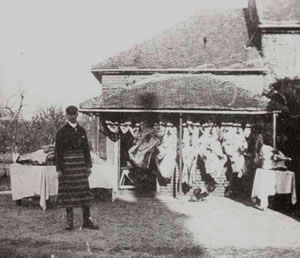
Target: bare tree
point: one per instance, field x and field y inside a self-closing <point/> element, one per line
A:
<point x="10" y="115"/>
<point x="43" y="127"/>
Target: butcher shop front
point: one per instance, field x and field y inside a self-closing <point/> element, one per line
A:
<point x="174" y="133"/>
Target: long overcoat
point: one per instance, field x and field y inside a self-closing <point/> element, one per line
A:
<point x="73" y="160"/>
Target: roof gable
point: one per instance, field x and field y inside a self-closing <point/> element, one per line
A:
<point x="213" y="38"/>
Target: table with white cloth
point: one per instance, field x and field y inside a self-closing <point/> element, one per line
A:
<point x="28" y="181"/>
<point x="270" y="182"/>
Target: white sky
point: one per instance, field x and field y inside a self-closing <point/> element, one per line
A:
<point x="48" y="47"/>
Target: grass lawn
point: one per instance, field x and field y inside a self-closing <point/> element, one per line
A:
<point x="146" y="227"/>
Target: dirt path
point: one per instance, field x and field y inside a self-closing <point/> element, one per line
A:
<point x="149" y="227"/>
<point x="221" y="222"/>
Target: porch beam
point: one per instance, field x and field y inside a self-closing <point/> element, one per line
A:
<point x="178" y="111"/>
<point x="98" y="72"/>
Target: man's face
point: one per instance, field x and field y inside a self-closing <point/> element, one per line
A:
<point x="72" y="118"/>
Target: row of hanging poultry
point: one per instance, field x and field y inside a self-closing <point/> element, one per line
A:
<point x="215" y="145"/>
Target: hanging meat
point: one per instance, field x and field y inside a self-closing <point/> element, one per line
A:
<point x="235" y="145"/>
<point x="210" y="150"/>
<point x="146" y="143"/>
<point x="189" y="152"/>
<point x="167" y="151"/>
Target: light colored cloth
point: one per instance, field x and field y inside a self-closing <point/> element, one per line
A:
<point x="285" y="183"/>
<point x="103" y="176"/>
<point x="269" y="182"/>
<point x="96" y="159"/>
<point x="49" y="185"/>
<point x="264" y="186"/>
<point x="72" y="124"/>
<point x="28" y="181"/>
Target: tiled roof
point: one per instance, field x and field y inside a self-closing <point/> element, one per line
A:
<point x="278" y="11"/>
<point x="163" y="91"/>
<point x="213" y="38"/>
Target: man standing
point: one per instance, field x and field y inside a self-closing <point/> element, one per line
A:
<point x="73" y="163"/>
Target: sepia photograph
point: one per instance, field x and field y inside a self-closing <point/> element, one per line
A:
<point x="162" y="128"/>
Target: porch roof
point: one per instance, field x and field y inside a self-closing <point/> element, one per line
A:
<point x="179" y="92"/>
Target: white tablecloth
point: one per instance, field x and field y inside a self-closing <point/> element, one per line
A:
<point x="270" y="182"/>
<point x="27" y="181"/>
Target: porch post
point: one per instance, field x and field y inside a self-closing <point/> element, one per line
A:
<point x="180" y="154"/>
<point x="274" y="129"/>
<point x="97" y="133"/>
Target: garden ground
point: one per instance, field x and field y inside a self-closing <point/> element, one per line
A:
<point x="147" y="227"/>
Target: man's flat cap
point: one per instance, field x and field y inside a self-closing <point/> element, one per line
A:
<point x="71" y="110"/>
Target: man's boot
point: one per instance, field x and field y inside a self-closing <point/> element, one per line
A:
<point x="69" y="218"/>
<point x="87" y="223"/>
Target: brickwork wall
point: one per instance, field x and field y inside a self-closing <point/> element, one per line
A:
<point x="220" y="180"/>
<point x="254" y="83"/>
<point x="172" y="186"/>
<point x="281" y="54"/>
<point x="112" y="83"/>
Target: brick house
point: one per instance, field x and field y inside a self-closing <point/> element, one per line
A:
<point x="275" y="31"/>
<point x="214" y="65"/>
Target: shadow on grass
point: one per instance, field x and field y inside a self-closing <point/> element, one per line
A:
<point x="144" y="227"/>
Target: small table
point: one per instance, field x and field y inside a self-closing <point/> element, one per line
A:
<point x="270" y="182"/>
<point x="28" y="181"/>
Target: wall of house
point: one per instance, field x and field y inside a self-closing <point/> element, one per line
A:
<point x="280" y="50"/>
<point x="113" y="83"/>
<point x="112" y="150"/>
<point x="169" y="189"/>
<point x="254" y="83"/>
